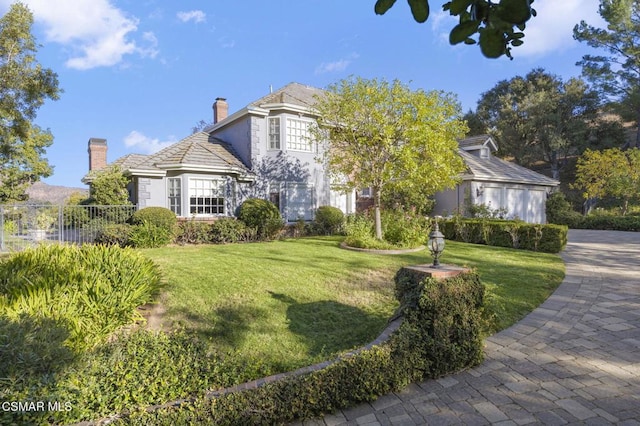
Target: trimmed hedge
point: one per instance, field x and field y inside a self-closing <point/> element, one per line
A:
<point x="575" y="220"/>
<point x="329" y="220"/>
<point x="439" y="335"/>
<point x="506" y="233"/>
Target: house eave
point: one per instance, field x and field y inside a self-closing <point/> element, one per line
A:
<point x="250" y="110"/>
<point x="145" y="172"/>
<point x="508" y="180"/>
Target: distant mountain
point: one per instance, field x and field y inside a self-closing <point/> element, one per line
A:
<point x="45" y="193"/>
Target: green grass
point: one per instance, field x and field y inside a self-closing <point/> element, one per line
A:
<point x="295" y="302"/>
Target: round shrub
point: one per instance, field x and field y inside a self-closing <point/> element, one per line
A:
<point x="158" y="216"/>
<point x="262" y="215"/>
<point x="329" y="220"/>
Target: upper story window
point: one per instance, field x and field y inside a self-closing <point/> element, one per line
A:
<point x="484" y="152"/>
<point x="274" y="132"/>
<point x="298" y="136"/>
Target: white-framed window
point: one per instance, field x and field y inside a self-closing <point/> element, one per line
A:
<point x="298" y="136"/>
<point x="366" y="192"/>
<point x="274" y="132"/>
<point x="174" y="193"/>
<point x="206" y="196"/>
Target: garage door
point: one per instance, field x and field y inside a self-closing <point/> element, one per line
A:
<point x="536" y="206"/>
<point x="515" y="203"/>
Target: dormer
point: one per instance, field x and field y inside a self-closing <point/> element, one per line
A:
<point x="481" y="146"/>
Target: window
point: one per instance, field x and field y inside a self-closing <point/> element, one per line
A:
<point x="366" y="192"/>
<point x="298" y="137"/>
<point x="274" y="133"/>
<point x="484" y="152"/>
<point x="175" y="195"/>
<point x="206" y="196"/>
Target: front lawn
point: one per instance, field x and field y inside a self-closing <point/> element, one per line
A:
<point x="296" y="302"/>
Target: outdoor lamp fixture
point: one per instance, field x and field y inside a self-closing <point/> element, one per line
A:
<point x="436" y="245"/>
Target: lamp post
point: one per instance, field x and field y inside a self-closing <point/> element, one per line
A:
<point x="436" y="245"/>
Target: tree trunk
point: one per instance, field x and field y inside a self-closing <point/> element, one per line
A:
<point x="376" y="212"/>
<point x="555" y="166"/>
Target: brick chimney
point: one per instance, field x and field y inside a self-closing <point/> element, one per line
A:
<point x="97" y="154"/>
<point x="220" y="110"/>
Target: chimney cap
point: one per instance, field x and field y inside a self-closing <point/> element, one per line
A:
<point x="97" y="141"/>
<point x="221" y="99"/>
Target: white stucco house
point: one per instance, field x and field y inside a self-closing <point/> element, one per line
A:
<point x="262" y="150"/>
<point x="497" y="184"/>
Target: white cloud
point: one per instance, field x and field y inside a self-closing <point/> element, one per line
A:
<point x="336" y="66"/>
<point x="552" y="29"/>
<point x="145" y="144"/>
<point x="196" y="16"/>
<point x="96" y="32"/>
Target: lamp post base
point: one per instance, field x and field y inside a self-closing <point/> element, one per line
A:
<point x="441" y="272"/>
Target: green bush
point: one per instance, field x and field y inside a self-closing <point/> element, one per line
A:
<point x="506" y="233"/>
<point x="148" y="235"/>
<point x="114" y="234"/>
<point x="329" y="220"/>
<point x="90" y="290"/>
<point x="158" y="216"/>
<point x="262" y="215"/>
<point x="229" y="230"/>
<point x="192" y="232"/>
<point x="404" y="229"/>
<point x="10" y="227"/>
<point x="439" y="335"/>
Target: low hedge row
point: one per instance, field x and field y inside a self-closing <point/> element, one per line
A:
<point x="575" y="220"/>
<point x="506" y="233"/>
<point x="440" y="334"/>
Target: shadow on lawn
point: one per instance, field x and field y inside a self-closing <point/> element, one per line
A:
<point x="328" y="327"/>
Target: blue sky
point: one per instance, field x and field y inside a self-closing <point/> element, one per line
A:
<point x="142" y="73"/>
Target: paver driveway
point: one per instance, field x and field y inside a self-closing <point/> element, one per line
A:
<point x="574" y="360"/>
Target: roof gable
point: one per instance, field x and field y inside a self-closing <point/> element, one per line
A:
<point x="473" y="143"/>
<point x="293" y="94"/>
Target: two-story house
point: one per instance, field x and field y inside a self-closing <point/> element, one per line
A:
<point x="263" y="150"/>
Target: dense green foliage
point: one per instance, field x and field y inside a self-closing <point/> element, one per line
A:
<point x="611" y="172"/>
<point x="158" y="216"/>
<point x="506" y="233"/>
<point x="329" y="220"/>
<point x="400" y="229"/>
<point x="539" y="118"/>
<point x="24" y="87"/>
<point x="498" y="24"/>
<point x="109" y="187"/>
<point x="118" y="234"/>
<point x="398" y="133"/>
<point x="82" y="289"/>
<point x="229" y="230"/>
<point x="617" y="73"/>
<point x="262" y="215"/>
<point x="148" y="235"/>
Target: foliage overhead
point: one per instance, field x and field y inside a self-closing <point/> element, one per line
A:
<point x="611" y="172"/>
<point x="24" y="87"/>
<point x="109" y="187"/>
<point x="499" y="25"/>
<point x="539" y="117"/>
<point x="616" y="74"/>
<point x="386" y="136"/>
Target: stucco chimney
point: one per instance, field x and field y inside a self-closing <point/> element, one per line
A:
<point x="220" y="110"/>
<point x="97" y="154"/>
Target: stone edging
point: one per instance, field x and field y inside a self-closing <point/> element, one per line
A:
<point x="376" y="251"/>
<point x="393" y="325"/>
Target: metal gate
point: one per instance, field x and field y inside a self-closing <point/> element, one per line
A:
<point x="26" y="225"/>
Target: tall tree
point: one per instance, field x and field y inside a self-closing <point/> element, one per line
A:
<point x="384" y="135"/>
<point x="24" y="86"/>
<point x="616" y="75"/>
<point x="611" y="172"/>
<point x="541" y="118"/>
<point x="498" y="24"/>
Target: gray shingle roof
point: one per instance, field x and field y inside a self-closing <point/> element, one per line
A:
<point x="475" y="141"/>
<point x="496" y="169"/>
<point x="292" y="93"/>
<point x="199" y="149"/>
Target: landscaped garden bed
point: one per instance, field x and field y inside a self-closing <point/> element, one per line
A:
<point x="238" y="312"/>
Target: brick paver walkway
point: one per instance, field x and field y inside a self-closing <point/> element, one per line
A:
<point x="574" y="360"/>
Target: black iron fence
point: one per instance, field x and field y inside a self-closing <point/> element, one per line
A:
<point x="28" y="225"/>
